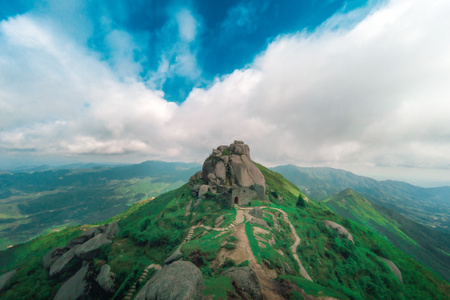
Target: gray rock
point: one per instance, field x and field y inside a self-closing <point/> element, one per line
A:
<point x="222" y="148"/>
<point x="52" y="256"/>
<point x="342" y="230"/>
<point x="79" y="240"/>
<point x="112" y="230"/>
<point x="179" y="280"/>
<point x="256" y="212"/>
<point x="62" y="262"/>
<point x="240" y="172"/>
<point x="203" y="190"/>
<point x="244" y="279"/>
<point x="220" y="172"/>
<point x="5" y="278"/>
<point x="176" y="255"/>
<point x="75" y="287"/>
<point x="259" y="222"/>
<point x="254" y="172"/>
<point x="89" y="249"/>
<point x="91" y="232"/>
<point x="106" y="279"/>
<point x="393" y="268"/>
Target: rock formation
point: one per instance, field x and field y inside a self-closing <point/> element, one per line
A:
<point x="230" y="172"/>
<point x="179" y="280"/>
<point x="340" y="229"/>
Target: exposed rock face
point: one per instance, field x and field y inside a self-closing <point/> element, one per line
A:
<point x="176" y="255"/>
<point x="256" y="212"/>
<point x="393" y="268"/>
<point x="74" y="288"/>
<point x="52" y="256"/>
<point x="229" y="171"/>
<point x="179" y="280"/>
<point x="89" y="249"/>
<point x="106" y="279"/>
<point x="61" y="264"/>
<point x="5" y="278"/>
<point x="244" y="279"/>
<point x="342" y="230"/>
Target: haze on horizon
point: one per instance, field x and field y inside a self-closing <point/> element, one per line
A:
<point x="356" y="85"/>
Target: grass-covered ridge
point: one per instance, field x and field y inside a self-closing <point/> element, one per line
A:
<point x="152" y="230"/>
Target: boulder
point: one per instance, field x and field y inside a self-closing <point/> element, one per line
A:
<point x="203" y="190"/>
<point x="393" y="268"/>
<point x="176" y="255"/>
<point x="244" y="279"/>
<point x="52" y="256"/>
<point x="78" y="241"/>
<point x="62" y="262"/>
<point x="259" y="222"/>
<point x="5" y="278"/>
<point x="112" y="230"/>
<point x="342" y="230"/>
<point x="256" y="212"/>
<point x="75" y="287"/>
<point x="179" y="280"/>
<point x="105" y="279"/>
<point x="220" y="172"/>
<point x="89" y="249"/>
<point x="91" y="232"/>
<point x="239" y="171"/>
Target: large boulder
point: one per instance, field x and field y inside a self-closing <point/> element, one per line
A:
<point x="112" y="230"/>
<point x="256" y="212"/>
<point x="89" y="249"/>
<point x="62" y="263"/>
<point x="176" y="255"/>
<point x="105" y="279"/>
<point x="393" y="268"/>
<point x="52" y="256"/>
<point x="340" y="229"/>
<point x="75" y="287"/>
<point x="179" y="280"/>
<point x="245" y="280"/>
<point x="5" y="278"/>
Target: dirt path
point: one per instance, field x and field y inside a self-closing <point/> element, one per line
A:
<point x="294" y="247"/>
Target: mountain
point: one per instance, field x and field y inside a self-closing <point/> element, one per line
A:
<point x="33" y="203"/>
<point x="428" y="206"/>
<point x="197" y="242"/>
<point x="428" y="246"/>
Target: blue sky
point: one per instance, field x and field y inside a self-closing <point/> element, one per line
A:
<point x="358" y="85"/>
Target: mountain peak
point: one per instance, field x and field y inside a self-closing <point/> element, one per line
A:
<point x="230" y="173"/>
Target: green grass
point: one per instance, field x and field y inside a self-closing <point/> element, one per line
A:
<point x="312" y="288"/>
<point x="218" y="287"/>
<point x="253" y="242"/>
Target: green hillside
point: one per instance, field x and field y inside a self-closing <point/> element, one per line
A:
<point x="428" y="246"/>
<point x="150" y="231"/>
<point x="428" y="206"/>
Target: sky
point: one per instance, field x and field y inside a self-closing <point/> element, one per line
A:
<point x="356" y="85"/>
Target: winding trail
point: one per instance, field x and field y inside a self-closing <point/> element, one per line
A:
<point x="294" y="247"/>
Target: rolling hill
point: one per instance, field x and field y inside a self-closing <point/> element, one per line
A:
<point x="428" y="206"/>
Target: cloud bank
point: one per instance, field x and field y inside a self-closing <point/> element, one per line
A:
<point x="374" y="93"/>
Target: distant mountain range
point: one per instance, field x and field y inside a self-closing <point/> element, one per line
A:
<point x="428" y="206"/>
<point x="36" y="202"/>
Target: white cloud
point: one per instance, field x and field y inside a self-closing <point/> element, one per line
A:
<point x="375" y="94"/>
<point x="187" y="25"/>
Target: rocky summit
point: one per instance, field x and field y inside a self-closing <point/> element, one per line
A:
<point x="230" y="172"/>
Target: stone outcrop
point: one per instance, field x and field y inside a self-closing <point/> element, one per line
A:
<point x="393" y="268"/>
<point x="245" y="280"/>
<point x="5" y="278"/>
<point x="83" y="247"/>
<point x="230" y="172"/>
<point x="75" y="287"/>
<point x="340" y="229"/>
<point x="179" y="280"/>
<point x="105" y="279"/>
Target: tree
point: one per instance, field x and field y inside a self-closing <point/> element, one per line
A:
<point x="301" y="201"/>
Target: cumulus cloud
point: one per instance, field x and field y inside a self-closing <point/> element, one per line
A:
<point x="371" y="94"/>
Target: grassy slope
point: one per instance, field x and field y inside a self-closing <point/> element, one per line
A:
<point x="407" y="235"/>
<point x="427" y="206"/>
<point x="150" y="231"/>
